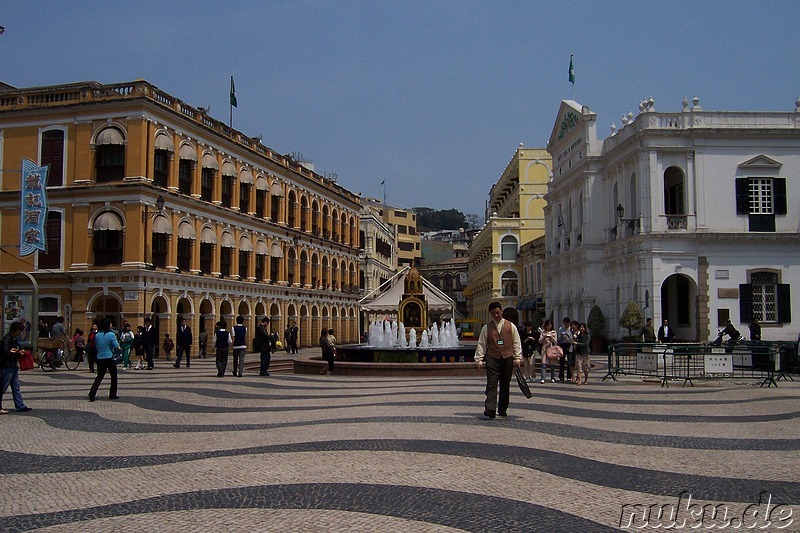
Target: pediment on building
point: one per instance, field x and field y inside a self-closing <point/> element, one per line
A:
<point x="570" y="123"/>
<point x="761" y="161"/>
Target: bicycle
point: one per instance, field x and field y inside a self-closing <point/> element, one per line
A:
<point x="54" y="353"/>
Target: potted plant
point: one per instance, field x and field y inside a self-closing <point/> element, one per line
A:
<point x="596" y="323"/>
<point x="631" y="319"/>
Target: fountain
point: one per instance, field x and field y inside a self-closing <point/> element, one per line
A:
<point x="404" y="346"/>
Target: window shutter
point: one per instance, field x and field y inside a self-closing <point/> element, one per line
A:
<point x="779" y="191"/>
<point x="742" y="197"/>
<point x="53" y="155"/>
<point x="745" y="303"/>
<point x="52" y="259"/>
<point x="784" y="303"/>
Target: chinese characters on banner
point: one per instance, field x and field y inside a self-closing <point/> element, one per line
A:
<point x="34" y="208"/>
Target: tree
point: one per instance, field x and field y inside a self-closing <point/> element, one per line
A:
<point x="433" y="220"/>
<point x="631" y="318"/>
<point x="596" y="322"/>
<point x="473" y="222"/>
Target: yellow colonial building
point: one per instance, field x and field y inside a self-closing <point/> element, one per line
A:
<point x="405" y="223"/>
<point x="515" y="217"/>
<point x="156" y="209"/>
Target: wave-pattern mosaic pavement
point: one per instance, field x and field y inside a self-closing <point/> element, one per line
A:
<point x="186" y="451"/>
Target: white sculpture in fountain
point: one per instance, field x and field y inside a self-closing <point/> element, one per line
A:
<point x="424" y="342"/>
<point x="412" y="339"/>
<point x="386" y="334"/>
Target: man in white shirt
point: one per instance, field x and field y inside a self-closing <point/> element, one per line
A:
<point x="499" y="350"/>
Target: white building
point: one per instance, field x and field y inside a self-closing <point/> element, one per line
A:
<point x="693" y="215"/>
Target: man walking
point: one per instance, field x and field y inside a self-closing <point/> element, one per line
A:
<point x="183" y="342"/>
<point x="149" y="341"/>
<point x="665" y="334"/>
<point x="203" y="343"/>
<point x="294" y="333"/>
<point x="499" y="350"/>
<point x="239" y="346"/>
<point x="264" y="346"/>
<point x="222" y="343"/>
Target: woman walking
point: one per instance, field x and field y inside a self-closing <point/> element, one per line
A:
<point x="106" y="343"/>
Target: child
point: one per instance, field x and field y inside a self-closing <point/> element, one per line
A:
<point x="168" y="345"/>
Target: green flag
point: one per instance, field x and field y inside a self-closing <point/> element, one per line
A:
<point x="233" y="94"/>
<point x="571" y="71"/>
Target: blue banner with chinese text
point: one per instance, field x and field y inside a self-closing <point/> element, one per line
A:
<point x="34" y="208"/>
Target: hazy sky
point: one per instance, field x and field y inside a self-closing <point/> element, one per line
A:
<point x="431" y="96"/>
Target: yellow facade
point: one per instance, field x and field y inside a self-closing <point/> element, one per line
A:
<point x="243" y="230"/>
<point x="405" y="223"/>
<point x="516" y="207"/>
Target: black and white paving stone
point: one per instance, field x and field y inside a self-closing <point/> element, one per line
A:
<point x="185" y="450"/>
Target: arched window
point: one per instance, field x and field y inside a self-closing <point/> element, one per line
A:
<point x="228" y="183"/>
<point x="305" y="213"/>
<point x="447" y="282"/>
<point x="109" y="155"/>
<point x="673" y="191"/>
<point x="107" y="242"/>
<point x="508" y="248"/>
<point x="208" y="176"/>
<point x="509" y="284"/>
<point x="245" y="253"/>
<point x="227" y="248"/>
<point x="186" y="166"/>
<point x="291" y="217"/>
<point x="162" y="155"/>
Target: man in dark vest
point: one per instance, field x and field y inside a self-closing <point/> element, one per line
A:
<point x="222" y="343"/>
<point x="499" y="350"/>
<point x="264" y="346"/>
<point x="294" y="334"/>
<point x="183" y="342"/>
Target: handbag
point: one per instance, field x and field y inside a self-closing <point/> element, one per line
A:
<point x="523" y="385"/>
<point x="116" y="356"/>
<point x="555" y="352"/>
<point x="26" y="360"/>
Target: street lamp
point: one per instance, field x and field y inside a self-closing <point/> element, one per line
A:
<point x="147" y="215"/>
<point x="159" y="209"/>
<point x="633" y="223"/>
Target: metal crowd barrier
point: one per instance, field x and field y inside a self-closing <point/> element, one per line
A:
<point x="755" y="360"/>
